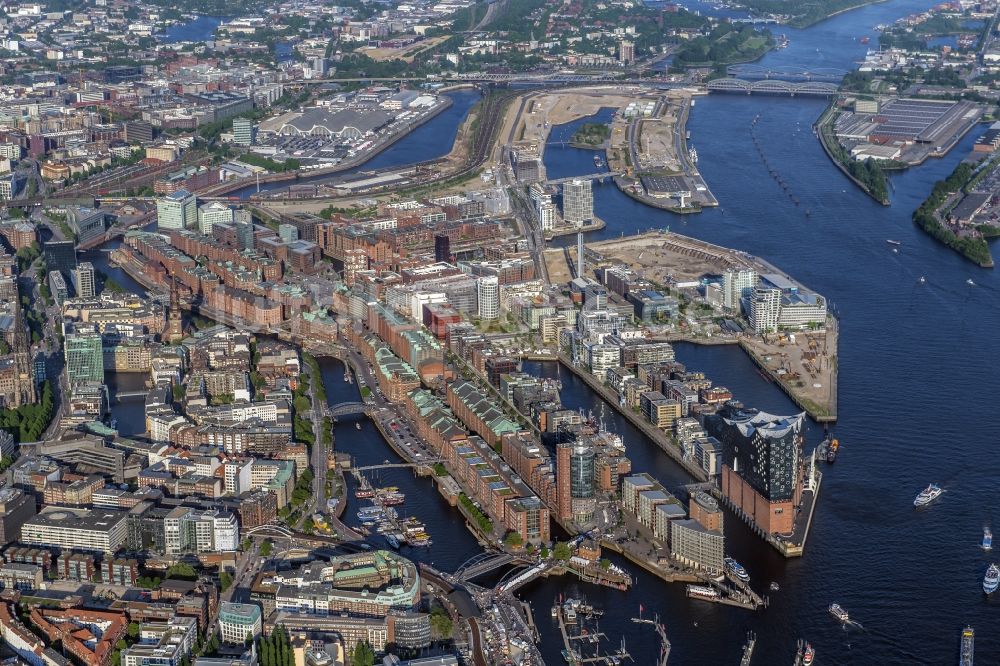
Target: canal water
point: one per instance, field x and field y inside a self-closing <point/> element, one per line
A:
<point x="200" y="29"/>
<point x="917" y="387"/>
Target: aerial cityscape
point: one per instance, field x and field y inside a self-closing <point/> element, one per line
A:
<point x="498" y="332"/>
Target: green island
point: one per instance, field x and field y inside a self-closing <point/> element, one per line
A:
<point x="590" y="135"/>
<point x="971" y="243"/>
<point x="725" y="44"/>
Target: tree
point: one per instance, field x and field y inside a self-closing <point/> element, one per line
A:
<point x="182" y="570"/>
<point x="266" y="548"/>
<point x="133" y="630"/>
<point x="441" y="623"/>
<point x="363" y="655"/>
<point x="605" y="564"/>
<point x="513" y="540"/>
<point x="225" y="580"/>
<point x="544" y="553"/>
<point x="561" y="551"/>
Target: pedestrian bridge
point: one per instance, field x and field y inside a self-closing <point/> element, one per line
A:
<point x="772" y="87"/>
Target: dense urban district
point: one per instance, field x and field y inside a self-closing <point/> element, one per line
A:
<point x="218" y="165"/>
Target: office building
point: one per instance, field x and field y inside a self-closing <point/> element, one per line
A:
<point x="244" y="132"/>
<point x="578" y="202"/>
<point x="88" y="224"/>
<point x="60" y="255"/>
<point x="761" y="465"/>
<point x="442" y="247"/>
<point x="243" y="223"/>
<point x="489" y="297"/>
<point x="626" y="52"/>
<point x="288" y="232"/>
<point x="737" y="284"/>
<point x="765" y="307"/>
<point x="84" y="353"/>
<point x="705" y="509"/>
<point x="167" y="643"/>
<point x="58" y="287"/>
<point x="186" y="529"/>
<point x="526" y="165"/>
<point x="178" y="210"/>
<point x="99" y="530"/>
<point x="16" y="507"/>
<point x="237" y="622"/>
<point x="211" y="214"/>
<point x="84" y="280"/>
<point x="372" y="584"/>
<point x="696" y="546"/>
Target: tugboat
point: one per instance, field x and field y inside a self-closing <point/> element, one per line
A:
<point x="987" y="539"/>
<point x="992" y="579"/>
<point x="927" y="495"/>
<point x="968" y="646"/>
<point x="839" y="613"/>
<point x="736" y="569"/>
<point x="831" y="451"/>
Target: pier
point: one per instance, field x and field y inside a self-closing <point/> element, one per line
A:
<point x="661" y="631"/>
<point x="573" y="656"/>
<point x="748" y="649"/>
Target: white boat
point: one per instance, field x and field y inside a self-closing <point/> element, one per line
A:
<point x="922" y="279"/>
<point x="736" y="569"/>
<point x="928" y="495"/>
<point x="702" y="592"/>
<point x="987" y="539"/>
<point x="970" y="282"/>
<point x="992" y="579"/>
<point x="839" y="613"/>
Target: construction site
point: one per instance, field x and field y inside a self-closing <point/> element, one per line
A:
<point x="802" y="363"/>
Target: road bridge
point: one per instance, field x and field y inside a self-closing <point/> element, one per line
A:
<point x="601" y="177"/>
<point x="484" y="563"/>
